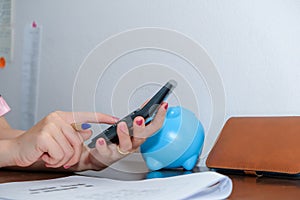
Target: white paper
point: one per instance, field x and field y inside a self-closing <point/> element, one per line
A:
<point x="202" y="185"/>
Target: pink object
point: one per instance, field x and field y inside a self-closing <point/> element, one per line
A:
<point x="4" y="108"/>
<point x="34" y="25"/>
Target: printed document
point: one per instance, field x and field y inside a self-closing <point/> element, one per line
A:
<point x="201" y="185"/>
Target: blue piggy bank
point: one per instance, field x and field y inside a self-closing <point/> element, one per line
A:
<point x="177" y="144"/>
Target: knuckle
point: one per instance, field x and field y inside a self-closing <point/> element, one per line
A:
<point x="57" y="158"/>
<point x="48" y="128"/>
<point x="69" y="153"/>
<point x="51" y="116"/>
<point x="60" y="156"/>
<point x="128" y="147"/>
<point x="58" y="113"/>
<point x="42" y="137"/>
<point x="77" y="143"/>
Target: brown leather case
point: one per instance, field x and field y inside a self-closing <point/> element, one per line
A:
<point x="258" y="144"/>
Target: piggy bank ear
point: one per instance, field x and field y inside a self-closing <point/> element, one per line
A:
<point x="153" y="164"/>
<point x="190" y="163"/>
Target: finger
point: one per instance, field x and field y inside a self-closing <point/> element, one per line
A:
<point x="76" y="142"/>
<point x="90" y="117"/>
<point x="158" y="120"/>
<point x="83" y="129"/>
<point x="53" y="142"/>
<point x="86" y="134"/>
<point x="145" y="103"/>
<point x="51" y="156"/>
<point x="67" y="139"/>
<point x="125" y="144"/>
<point x="103" y="154"/>
<point x="102" y="147"/>
<point x="138" y="132"/>
<point x="66" y="148"/>
<point x="80" y="126"/>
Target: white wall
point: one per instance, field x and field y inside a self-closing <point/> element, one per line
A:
<point x="254" y="44"/>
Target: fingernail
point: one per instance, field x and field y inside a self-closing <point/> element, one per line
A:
<point x="85" y="126"/>
<point x="166" y="106"/>
<point x="123" y="127"/>
<point x="101" y="142"/>
<point x="116" y="119"/>
<point x="66" y="166"/>
<point x="139" y="122"/>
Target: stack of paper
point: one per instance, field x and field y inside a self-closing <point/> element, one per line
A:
<point x="202" y="185"/>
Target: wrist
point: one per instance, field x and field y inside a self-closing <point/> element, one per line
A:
<point x="7" y="153"/>
<point x="9" y="133"/>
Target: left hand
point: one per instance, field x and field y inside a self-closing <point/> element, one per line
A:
<point x="104" y="155"/>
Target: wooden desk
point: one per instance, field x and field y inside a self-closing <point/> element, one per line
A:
<point x="244" y="187"/>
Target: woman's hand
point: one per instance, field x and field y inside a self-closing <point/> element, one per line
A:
<point x="104" y="155"/>
<point x="54" y="141"/>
